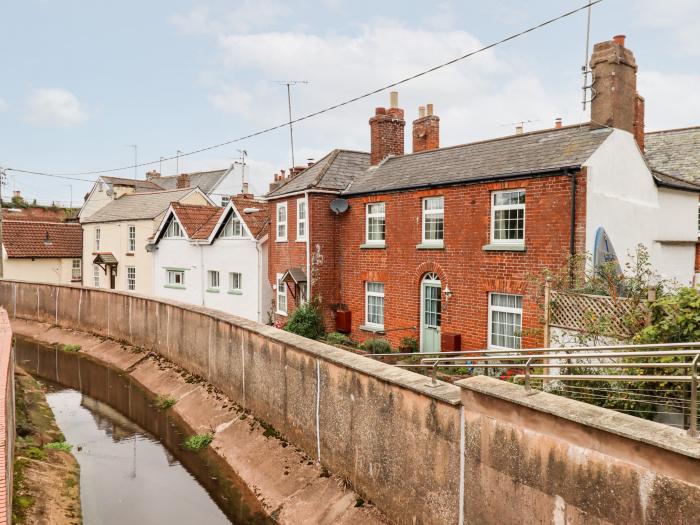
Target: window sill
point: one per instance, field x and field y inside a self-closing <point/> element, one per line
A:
<point x="278" y="312"/>
<point x="504" y="248"/>
<point x="301" y="240"/>
<point x="235" y="292"/>
<point x="280" y="240"/>
<point x="76" y="280"/>
<point x="373" y="329"/>
<point x="430" y="246"/>
<point x="129" y="254"/>
<point x="212" y="290"/>
<point x="174" y="286"/>
<point x="370" y="246"/>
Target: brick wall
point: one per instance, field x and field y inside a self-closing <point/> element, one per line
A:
<point x="386" y="134"/>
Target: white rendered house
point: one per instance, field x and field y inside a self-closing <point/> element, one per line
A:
<point x="216" y="257"/>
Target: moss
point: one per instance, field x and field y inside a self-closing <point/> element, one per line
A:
<point x="165" y="402"/>
<point x="198" y="441"/>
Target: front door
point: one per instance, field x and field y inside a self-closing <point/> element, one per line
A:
<point x="112" y="276"/>
<point x="431" y="309"/>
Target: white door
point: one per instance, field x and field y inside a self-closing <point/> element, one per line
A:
<point x="431" y="313"/>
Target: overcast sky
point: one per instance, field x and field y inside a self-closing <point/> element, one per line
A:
<point x="81" y="81"/>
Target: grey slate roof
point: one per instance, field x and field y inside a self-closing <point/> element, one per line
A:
<point x="135" y="206"/>
<point x="535" y="152"/>
<point x="333" y="172"/>
<point x="675" y="152"/>
<point x="204" y="180"/>
<point x="137" y="184"/>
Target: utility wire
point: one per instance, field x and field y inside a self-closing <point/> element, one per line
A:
<point x="324" y="110"/>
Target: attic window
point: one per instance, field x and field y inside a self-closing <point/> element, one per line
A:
<point x="174" y="230"/>
<point x="233" y="229"/>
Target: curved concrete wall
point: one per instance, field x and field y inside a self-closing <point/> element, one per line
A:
<point x="480" y="452"/>
<point x="7" y="418"/>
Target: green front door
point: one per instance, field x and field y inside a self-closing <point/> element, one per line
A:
<point x="430" y="313"/>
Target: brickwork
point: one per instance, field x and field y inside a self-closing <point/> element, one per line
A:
<point x="386" y="134"/>
<point x="426" y="133"/>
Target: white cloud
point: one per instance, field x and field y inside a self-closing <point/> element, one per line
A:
<point x="680" y="17"/>
<point x="54" y="107"/>
<point x="246" y="16"/>
<point x="662" y="93"/>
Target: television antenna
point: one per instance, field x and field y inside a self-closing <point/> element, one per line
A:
<point x="289" y="84"/>
<point x="585" y="68"/>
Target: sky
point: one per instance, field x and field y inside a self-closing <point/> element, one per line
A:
<point x="83" y="81"/>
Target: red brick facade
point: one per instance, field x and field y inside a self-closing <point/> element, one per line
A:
<point x="386" y="134"/>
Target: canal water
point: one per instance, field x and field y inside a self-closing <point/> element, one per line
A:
<point x="133" y="468"/>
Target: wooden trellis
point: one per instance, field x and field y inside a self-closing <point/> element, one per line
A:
<point x="572" y="311"/>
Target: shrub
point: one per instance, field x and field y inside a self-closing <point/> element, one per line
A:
<point x="307" y="321"/>
<point x="198" y="441"/>
<point x="70" y="348"/>
<point x="377" y="346"/>
<point x="408" y="344"/>
<point x="165" y="402"/>
<point x="336" y="338"/>
<point x="59" y="445"/>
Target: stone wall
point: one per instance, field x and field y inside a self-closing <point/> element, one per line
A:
<point x="422" y="454"/>
<point x="7" y="418"/>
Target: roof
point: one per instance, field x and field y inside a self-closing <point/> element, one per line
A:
<point x="675" y="152"/>
<point x="138" y="184"/>
<point x="516" y="155"/>
<point x="105" y="258"/>
<point x="204" y="180"/>
<point x="333" y="172"/>
<point x="198" y="221"/>
<point x="258" y="222"/>
<point x="297" y="275"/>
<point x="24" y="239"/>
<point x="135" y="206"/>
<point x="676" y="183"/>
<point x="36" y="214"/>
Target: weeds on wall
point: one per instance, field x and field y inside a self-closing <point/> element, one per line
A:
<point x="198" y="441"/>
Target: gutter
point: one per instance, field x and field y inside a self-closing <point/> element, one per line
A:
<point x="572" y="226"/>
<point x="258" y="248"/>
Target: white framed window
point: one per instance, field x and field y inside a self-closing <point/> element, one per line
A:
<point x="76" y="272"/>
<point x="235" y="282"/>
<point x="281" y="221"/>
<point x="698" y="219"/>
<point x="281" y="295"/>
<point x="233" y="229"/>
<point x="174" y="230"/>
<point x="375" y="223"/>
<point x="131" y="238"/>
<point x="301" y="219"/>
<point x="96" y="276"/>
<point x="303" y="292"/>
<point x="131" y="278"/>
<point x="176" y="278"/>
<point x="98" y="233"/>
<point x="505" y="320"/>
<point x="508" y="217"/>
<point x="433" y="220"/>
<point x="374" y="304"/>
<point x="212" y="280"/>
<point x="225" y="200"/>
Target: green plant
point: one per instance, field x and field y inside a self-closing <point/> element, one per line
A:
<point x="336" y="338"/>
<point x="59" y="445"/>
<point x="70" y="348"/>
<point x="408" y="344"/>
<point x="377" y="346"/>
<point x="198" y="441"/>
<point x="307" y="320"/>
<point x="165" y="402"/>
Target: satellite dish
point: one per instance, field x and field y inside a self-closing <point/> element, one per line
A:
<point x="109" y="193"/>
<point x="151" y="247"/>
<point x="339" y="206"/>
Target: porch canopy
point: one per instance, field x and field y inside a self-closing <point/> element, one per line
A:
<point x="294" y="275"/>
<point x="105" y="259"/>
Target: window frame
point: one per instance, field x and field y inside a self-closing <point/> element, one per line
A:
<point x="213" y="280"/>
<point x="698" y="219"/>
<point x="374" y="215"/>
<point x="505" y="309"/>
<point x="97" y="238"/>
<point x="495" y="208"/>
<point x="175" y="272"/>
<point x="79" y="277"/>
<point x="225" y="199"/>
<point x="96" y="276"/>
<point x="131" y="238"/>
<point x="278" y="223"/>
<point x="233" y="289"/>
<point x="171" y="234"/>
<point x="425" y="213"/>
<point x="131" y="279"/>
<point x="281" y="285"/>
<point x="302" y="202"/>
<point x="233" y="220"/>
<point x="381" y="295"/>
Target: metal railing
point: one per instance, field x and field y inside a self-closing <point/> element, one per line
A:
<point x="527" y="359"/>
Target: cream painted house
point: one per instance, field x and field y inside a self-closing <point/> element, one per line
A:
<point x="115" y="238"/>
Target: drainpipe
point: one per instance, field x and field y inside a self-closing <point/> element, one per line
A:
<point x="258" y="248"/>
<point x="572" y="231"/>
<point x="309" y="294"/>
<point x="202" y="280"/>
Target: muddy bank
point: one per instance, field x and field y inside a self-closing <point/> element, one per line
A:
<point x="46" y="474"/>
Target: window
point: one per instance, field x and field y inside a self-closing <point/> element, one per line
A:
<point x="131" y="239"/>
<point x="282" y="221"/>
<point x="698" y="219"/>
<point x="235" y="282"/>
<point x="302" y="293"/>
<point x="374" y="304"/>
<point x="233" y="228"/>
<point x="376" y="223"/>
<point x="225" y="200"/>
<point x="95" y="276"/>
<point x="301" y="220"/>
<point x="97" y="239"/>
<point x="213" y="281"/>
<point x="281" y="295"/>
<point x="77" y="270"/>
<point x="505" y="320"/>
<point x="130" y="278"/>
<point x="433" y="220"/>
<point x="508" y="217"/>
<point x="176" y="278"/>
<point x="174" y="229"/>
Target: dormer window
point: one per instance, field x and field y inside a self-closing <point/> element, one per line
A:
<point x="174" y="230"/>
<point x="233" y="229"/>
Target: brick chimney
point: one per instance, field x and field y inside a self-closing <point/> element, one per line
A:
<point x="183" y="181"/>
<point x="616" y="102"/>
<point x="426" y="130"/>
<point x="387" y="131"/>
<point x="150" y="175"/>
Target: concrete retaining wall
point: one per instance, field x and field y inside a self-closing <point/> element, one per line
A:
<point x="421" y="454"/>
<point x="7" y="418"/>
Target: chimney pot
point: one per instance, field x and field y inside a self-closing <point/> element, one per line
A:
<point x="183" y="181"/>
<point x="426" y="130"/>
<point x="430" y="109"/>
<point x="619" y="40"/>
<point x="394" y="99"/>
<point x="421" y="111"/>
<point x="557" y="122"/>
<point x="519" y="129"/>
<point x="380" y="111"/>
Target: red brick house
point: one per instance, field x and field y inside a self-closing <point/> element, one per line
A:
<point x="441" y="244"/>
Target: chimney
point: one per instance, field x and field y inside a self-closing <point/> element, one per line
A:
<point x="639" y="121"/>
<point x="557" y="122"/>
<point x="150" y="175"/>
<point x="387" y="131"/>
<point x="426" y="130"/>
<point x="519" y="129"/>
<point x="296" y="170"/>
<point x="183" y="181"/>
<point x="17" y="193"/>
<point x="614" y="102"/>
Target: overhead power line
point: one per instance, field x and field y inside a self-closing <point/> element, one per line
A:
<point x="73" y="175"/>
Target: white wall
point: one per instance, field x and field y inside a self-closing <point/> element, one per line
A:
<point x="96" y="200"/>
<point x="232" y="184"/>
<point x="623" y="198"/>
<point x="42" y="270"/>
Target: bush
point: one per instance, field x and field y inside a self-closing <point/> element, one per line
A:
<point x="307" y="321"/>
<point x="377" y="346"/>
<point x="165" y="402"/>
<point x="59" y="445"/>
<point x="198" y="441"/>
<point x="70" y="348"/>
<point x="336" y="338"/>
<point x="408" y="344"/>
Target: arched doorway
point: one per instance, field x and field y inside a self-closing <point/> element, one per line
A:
<point x="430" y="313"/>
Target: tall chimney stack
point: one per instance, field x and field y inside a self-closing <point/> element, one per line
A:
<point x="426" y="130"/>
<point x="387" y="131"/>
